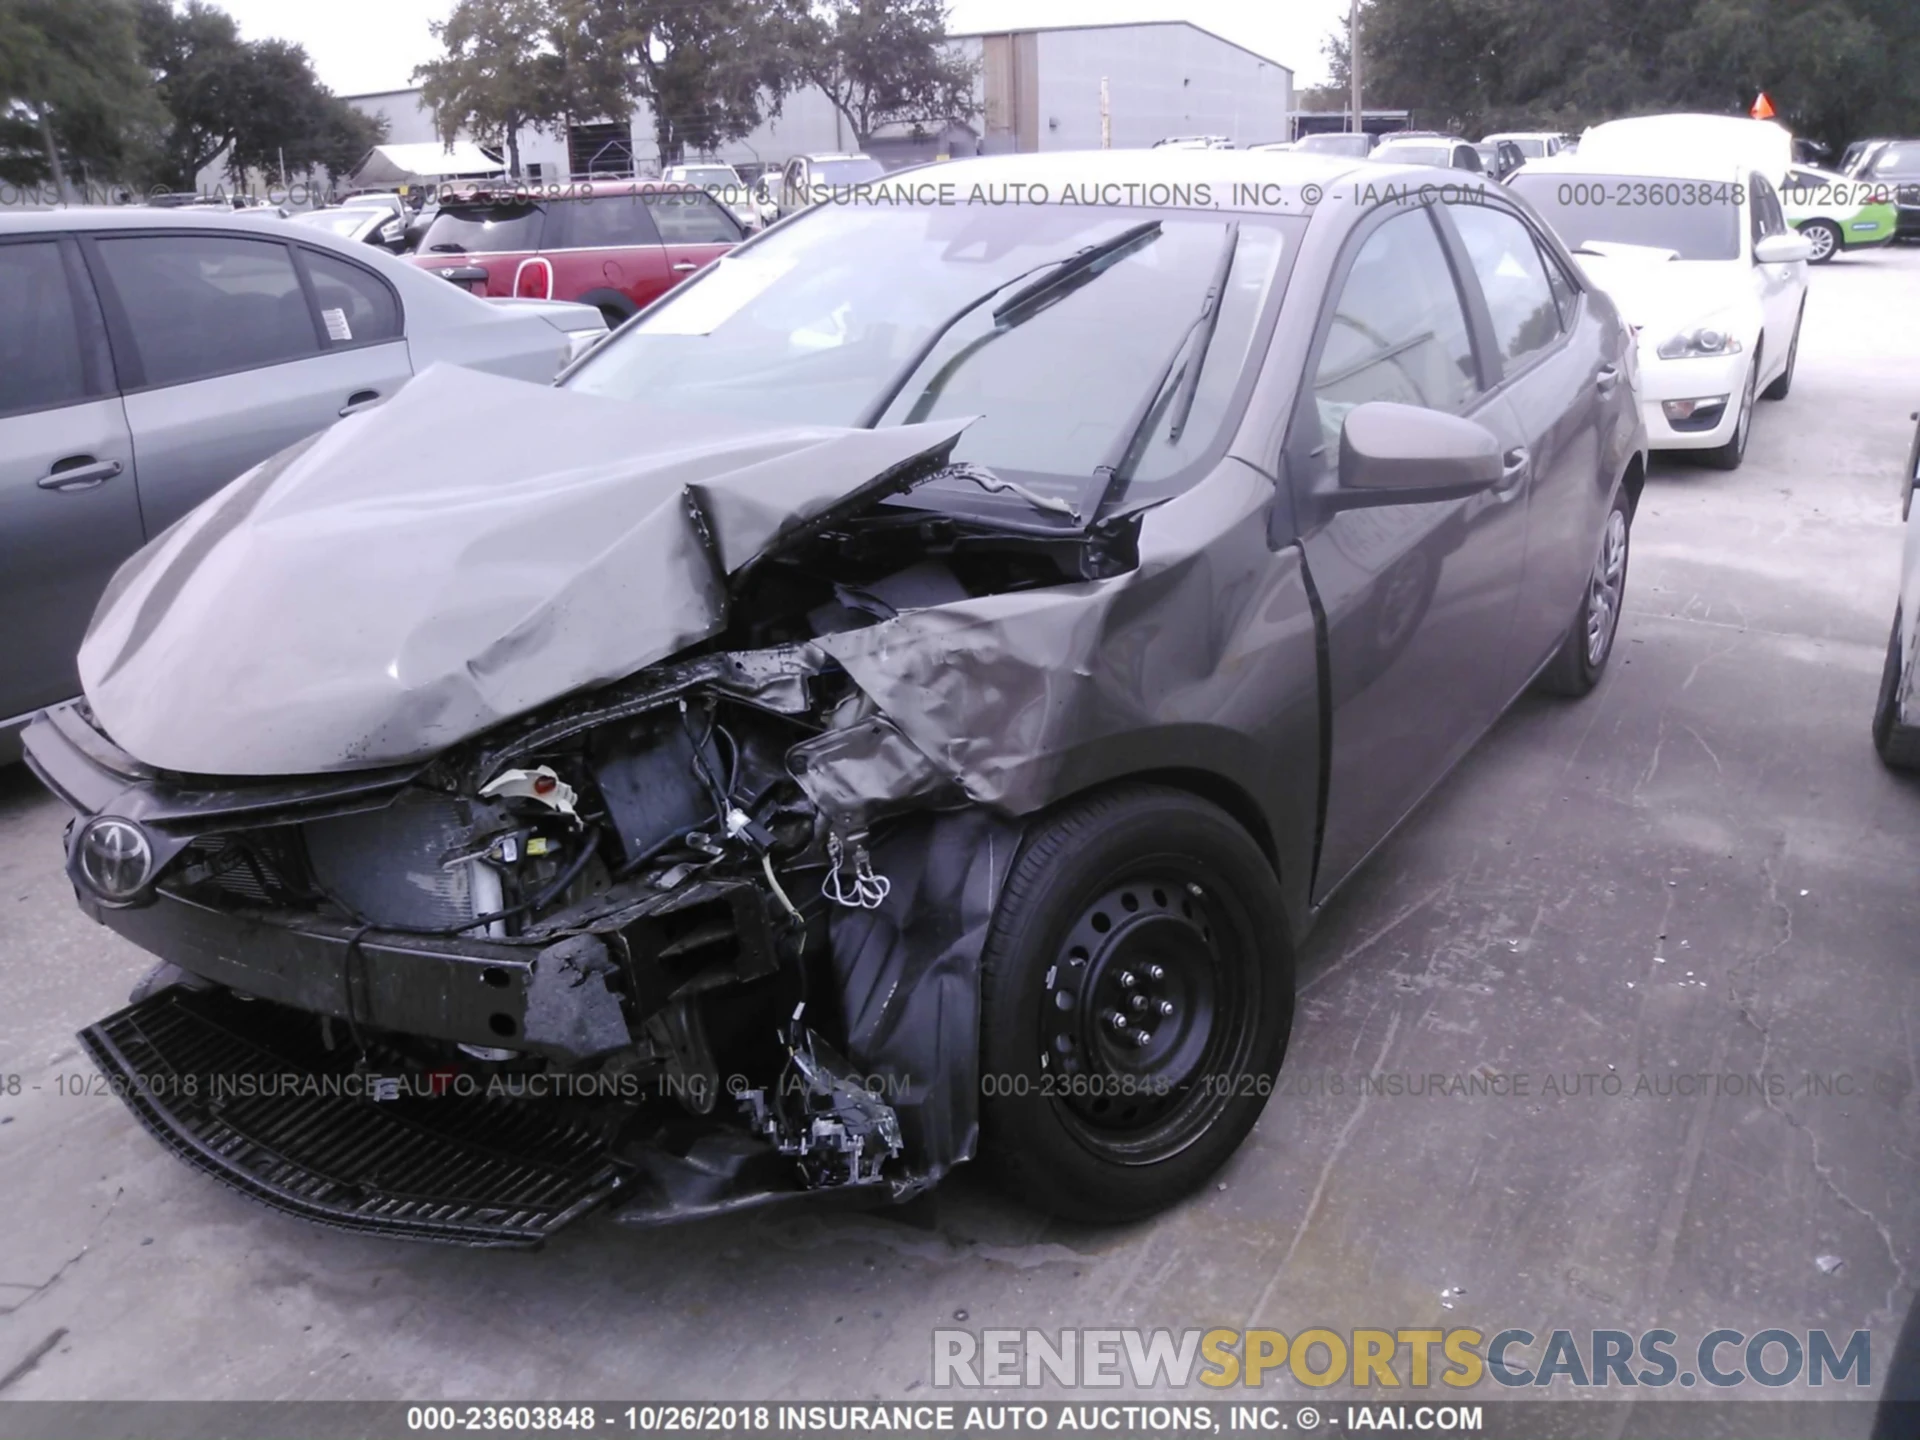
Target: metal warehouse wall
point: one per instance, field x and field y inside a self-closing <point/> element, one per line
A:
<point x="1168" y="79"/>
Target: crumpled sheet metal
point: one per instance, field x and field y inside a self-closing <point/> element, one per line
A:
<point x="357" y="602"/>
<point x="908" y="976"/>
<point x="1025" y="697"/>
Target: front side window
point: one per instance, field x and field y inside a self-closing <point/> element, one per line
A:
<point x="1398" y="330"/>
<point x="815" y="323"/>
<point x="1513" y="277"/>
<point x="201" y="305"/>
<point x="40" y="358"/>
<point x="602" y="222"/>
<point x="691" y="217"/>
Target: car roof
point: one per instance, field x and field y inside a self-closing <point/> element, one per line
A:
<point x="128" y="217"/>
<point x="484" y="192"/>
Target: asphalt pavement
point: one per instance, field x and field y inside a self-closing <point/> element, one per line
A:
<point x="1698" y="881"/>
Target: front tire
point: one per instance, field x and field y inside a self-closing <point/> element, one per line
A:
<point x="1897" y="743"/>
<point x="1578" y="664"/>
<point x="1729" y="455"/>
<point x="1136" y="911"/>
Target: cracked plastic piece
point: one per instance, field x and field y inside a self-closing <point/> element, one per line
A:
<point x="823" y="1117"/>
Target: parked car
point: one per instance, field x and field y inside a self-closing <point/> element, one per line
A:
<point x="1500" y="157"/>
<point x="1448" y="152"/>
<point x="1532" y="144"/>
<point x="148" y="357"/>
<point x="365" y="224"/>
<point x="1894" y="169"/>
<point x="617" y="245"/>
<point x="1896" y="711"/>
<point x="723" y="183"/>
<point x="807" y="179"/>
<point x="1353" y="145"/>
<point x="1836" y="214"/>
<point x="1703" y="264"/>
<point x="889" y="672"/>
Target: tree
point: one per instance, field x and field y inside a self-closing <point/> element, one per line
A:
<point x="1833" y="68"/>
<point x="72" y="91"/>
<point x="498" y="76"/>
<point x="708" y="72"/>
<point x="257" y="104"/>
<point x="882" y="62"/>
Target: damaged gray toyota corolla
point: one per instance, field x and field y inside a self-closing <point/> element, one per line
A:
<point x="904" y="696"/>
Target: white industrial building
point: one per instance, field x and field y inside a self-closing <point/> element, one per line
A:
<point x="1037" y="89"/>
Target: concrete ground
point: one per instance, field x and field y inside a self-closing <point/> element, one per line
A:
<point x="1701" y="869"/>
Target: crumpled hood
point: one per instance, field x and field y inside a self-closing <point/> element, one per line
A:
<point x="471" y="549"/>
<point x="1652" y="290"/>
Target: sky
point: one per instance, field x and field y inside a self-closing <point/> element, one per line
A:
<point x="358" y="46"/>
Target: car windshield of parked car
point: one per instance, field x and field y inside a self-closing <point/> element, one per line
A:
<point x="1336" y="144"/>
<point x="478" y="229"/>
<point x="704" y="175"/>
<point x="1406" y="153"/>
<point x="346" y="221"/>
<point x="1897" y="162"/>
<point x="1697" y="219"/>
<point x="846" y="172"/>
<point x="814" y="323"/>
<point x="1531" y="146"/>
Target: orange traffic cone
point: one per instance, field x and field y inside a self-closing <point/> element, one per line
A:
<point x="1762" y="107"/>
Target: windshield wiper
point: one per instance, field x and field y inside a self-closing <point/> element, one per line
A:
<point x="1078" y="267"/>
<point x="1121" y="459"/>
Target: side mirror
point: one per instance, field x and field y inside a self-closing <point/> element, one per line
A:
<point x="1393" y="454"/>
<point x="1782" y="249"/>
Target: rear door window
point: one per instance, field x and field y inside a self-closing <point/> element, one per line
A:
<point x="40" y="357"/>
<point x="1514" y="279"/>
<point x="689" y="217"/>
<point x="484" y="229"/>
<point x="601" y="222"/>
<point x="356" y="308"/>
<point x="200" y="305"/>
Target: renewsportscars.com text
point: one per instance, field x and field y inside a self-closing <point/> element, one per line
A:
<point x="1391" y="1359"/>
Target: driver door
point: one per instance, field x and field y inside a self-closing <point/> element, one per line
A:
<point x="1419" y="598"/>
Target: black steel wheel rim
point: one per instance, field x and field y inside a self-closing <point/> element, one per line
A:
<point x="1147" y="1015"/>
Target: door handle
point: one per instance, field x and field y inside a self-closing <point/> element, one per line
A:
<point x="82" y="472"/>
<point x="358" y="401"/>
<point x="680" y="267"/>
<point x="1606" y="378"/>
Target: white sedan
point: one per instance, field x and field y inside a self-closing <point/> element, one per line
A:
<point x="1704" y="266"/>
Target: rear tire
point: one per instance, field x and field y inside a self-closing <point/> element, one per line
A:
<point x="1581" y="660"/>
<point x="1729" y="455"/>
<point x="1139" y="910"/>
<point x="1897" y="743"/>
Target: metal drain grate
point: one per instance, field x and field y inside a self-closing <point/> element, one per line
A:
<point x="463" y="1169"/>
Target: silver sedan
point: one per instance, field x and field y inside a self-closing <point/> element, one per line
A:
<point x="147" y="357"/>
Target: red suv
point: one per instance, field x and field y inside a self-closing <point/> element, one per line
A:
<point x="614" y="244"/>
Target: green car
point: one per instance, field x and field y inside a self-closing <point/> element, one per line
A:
<point x="1836" y="213"/>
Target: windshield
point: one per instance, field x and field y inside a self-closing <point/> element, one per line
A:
<point x="1896" y="162"/>
<point x="480" y="228"/>
<point x="846" y="172"/>
<point x="348" y="221"/>
<point x="1403" y="153"/>
<point x="812" y="324"/>
<point x="1348" y="144"/>
<point x="1697" y="219"/>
